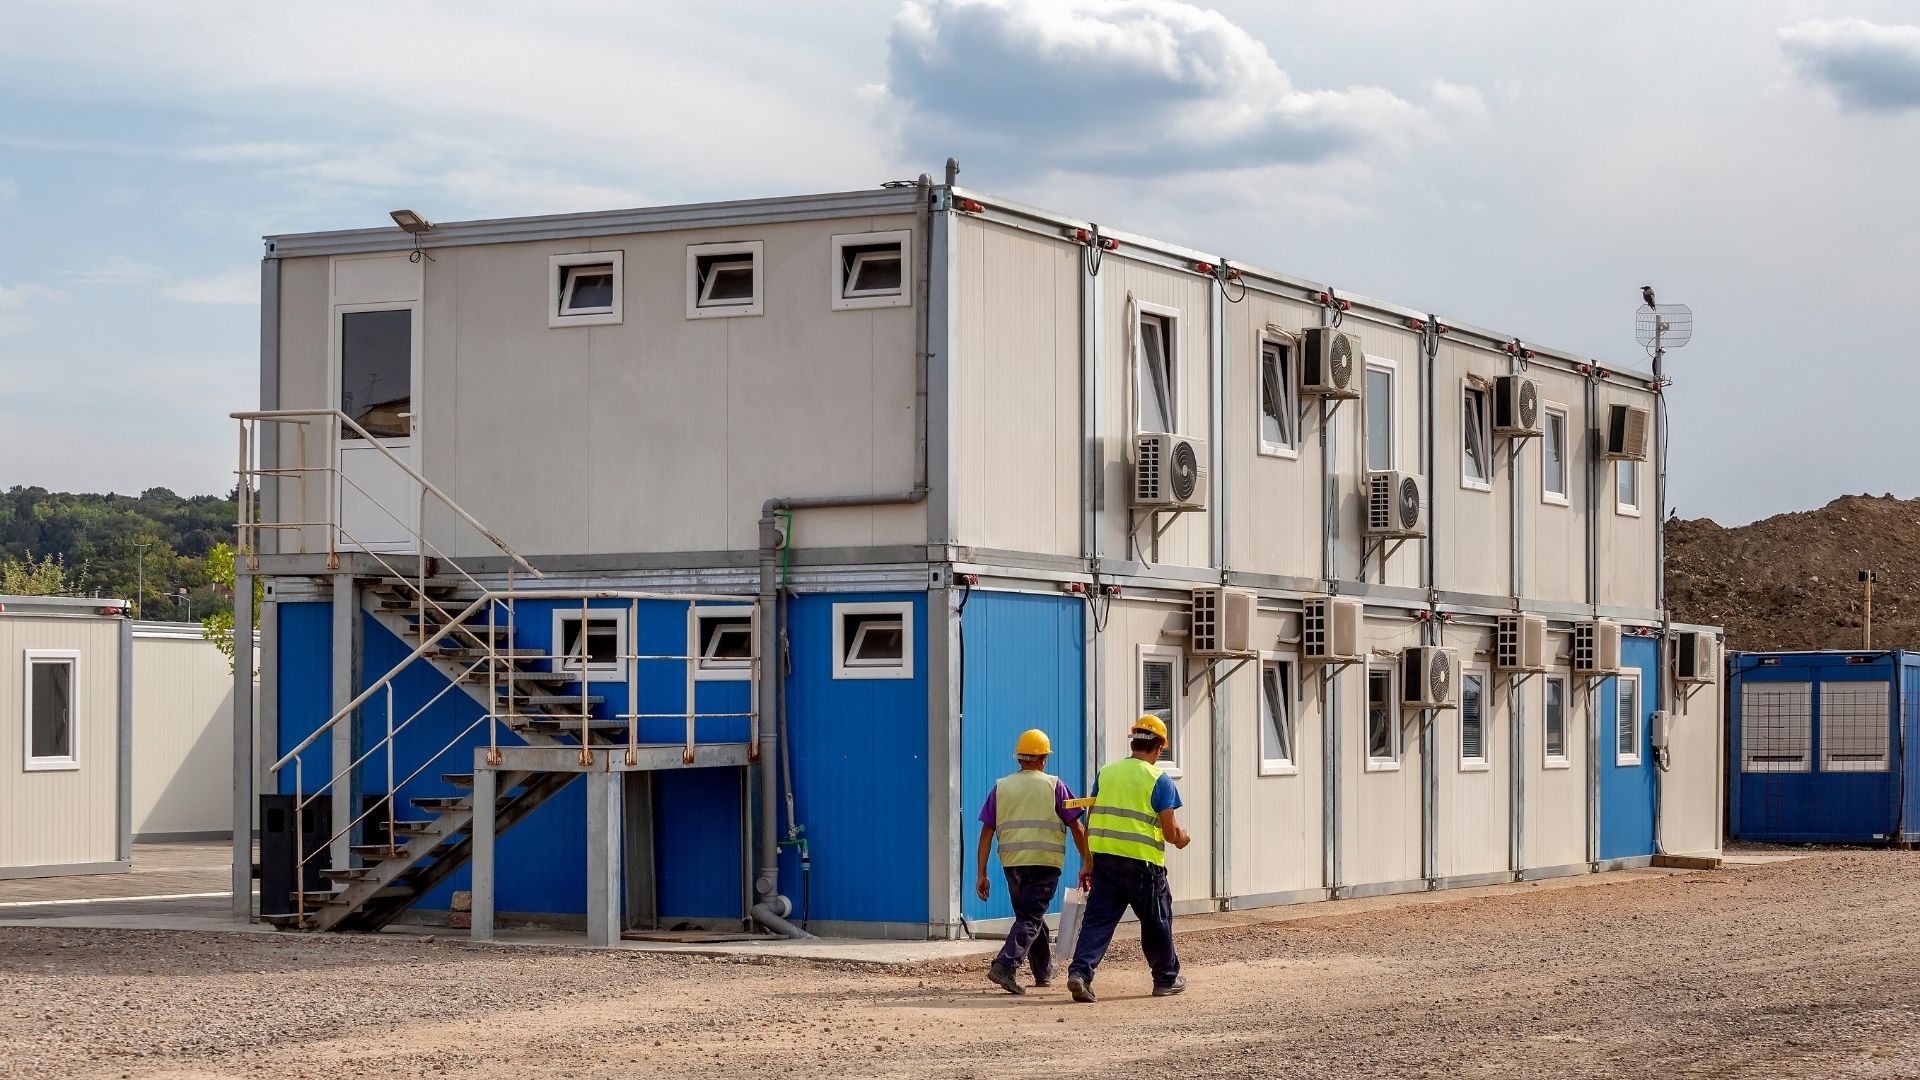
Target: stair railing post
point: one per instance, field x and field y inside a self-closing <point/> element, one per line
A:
<point x="493" y="679"/>
<point x="692" y="647"/>
<point x="586" y="710"/>
<point x="391" y="848"/>
<point x="632" y="662"/>
<point x="299" y="843"/>
<point x="420" y="555"/>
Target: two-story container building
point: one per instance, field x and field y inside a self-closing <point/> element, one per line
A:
<point x="829" y="497"/>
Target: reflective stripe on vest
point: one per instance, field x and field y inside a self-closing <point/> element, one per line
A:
<point x="1029" y="830"/>
<point x="1123" y="821"/>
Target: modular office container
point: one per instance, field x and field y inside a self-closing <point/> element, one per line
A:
<point x="1819" y="747"/>
<point x="956" y="468"/>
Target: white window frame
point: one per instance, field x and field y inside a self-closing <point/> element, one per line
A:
<point x="717" y="670"/>
<point x="1484" y="762"/>
<point x="1549" y="759"/>
<point x="1291" y="702"/>
<point x="1289" y="393"/>
<point x="1177" y="724"/>
<point x="1561" y="497"/>
<point x="1467" y="388"/>
<point x="1141" y="310"/>
<point x="1620" y="685"/>
<point x="1632" y="468"/>
<point x="842" y="669"/>
<point x="557" y="286"/>
<point x="570" y="663"/>
<point x="1391" y="369"/>
<point x="69" y="761"/>
<point x="755" y="250"/>
<point x="1375" y="764"/>
<point x="840" y="277"/>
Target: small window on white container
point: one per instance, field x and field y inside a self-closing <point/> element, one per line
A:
<point x="1476" y="442"/>
<point x="1156" y="375"/>
<point x="724" y="279"/>
<point x="723" y="637"/>
<point x="873" y="641"/>
<point x="1383" y="443"/>
<point x="1159" y="691"/>
<point x="1473" y="724"/>
<point x="871" y="270"/>
<point x="1626" y="726"/>
<point x="1277" y="725"/>
<point x="1279" y="408"/>
<point x="584" y="288"/>
<point x="1554" y="742"/>
<point x="606" y="635"/>
<point x="1626" y="482"/>
<point x="52" y="713"/>
<point x="1383" y="722"/>
<point x="1553" y="455"/>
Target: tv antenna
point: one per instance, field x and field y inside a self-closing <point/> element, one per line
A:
<point x="1659" y="327"/>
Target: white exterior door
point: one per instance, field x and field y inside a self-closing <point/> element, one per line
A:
<point x="376" y="383"/>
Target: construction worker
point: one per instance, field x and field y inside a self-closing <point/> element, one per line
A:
<point x="1028" y="811"/>
<point x="1131" y="823"/>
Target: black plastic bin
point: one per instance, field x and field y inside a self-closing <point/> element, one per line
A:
<point x="278" y="851"/>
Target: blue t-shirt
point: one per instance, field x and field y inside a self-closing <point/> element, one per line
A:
<point x="1165" y="795"/>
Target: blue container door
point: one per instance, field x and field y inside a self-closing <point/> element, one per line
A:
<point x="1626" y="752"/>
<point x="1816" y="749"/>
<point x="1025" y="660"/>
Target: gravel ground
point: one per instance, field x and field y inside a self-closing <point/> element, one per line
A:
<point x="1802" y="968"/>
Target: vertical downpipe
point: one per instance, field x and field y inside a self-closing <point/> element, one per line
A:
<point x="1092" y="483"/>
<point x="1330" y="682"/>
<point x="1516" y="696"/>
<point x="1429" y="631"/>
<point x="1430" y="634"/>
<point x="1593" y="602"/>
<point x="1220" y="699"/>
<point x="1663" y="692"/>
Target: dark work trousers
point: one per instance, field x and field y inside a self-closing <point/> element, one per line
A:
<point x="1031" y="888"/>
<point x="1120" y="883"/>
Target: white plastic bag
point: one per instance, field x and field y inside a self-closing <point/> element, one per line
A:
<point x="1073" y="909"/>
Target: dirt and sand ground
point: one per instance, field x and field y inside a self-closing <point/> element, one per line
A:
<point x="1802" y="968"/>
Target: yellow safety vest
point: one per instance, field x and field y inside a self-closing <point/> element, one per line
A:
<point x="1123" y="821"/>
<point x="1025" y="821"/>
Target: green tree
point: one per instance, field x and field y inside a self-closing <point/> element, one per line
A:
<point x="24" y="577"/>
<point x="217" y="626"/>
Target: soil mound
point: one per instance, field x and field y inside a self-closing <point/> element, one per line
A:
<point x="1791" y="581"/>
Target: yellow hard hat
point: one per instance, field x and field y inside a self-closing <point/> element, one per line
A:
<point x="1034" y="742"/>
<point x="1152" y="725"/>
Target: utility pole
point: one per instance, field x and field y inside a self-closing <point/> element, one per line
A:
<point x="1867" y="580"/>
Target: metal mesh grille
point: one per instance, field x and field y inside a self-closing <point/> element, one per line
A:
<point x="1380" y="501"/>
<point x="1409" y="503"/>
<point x="1340" y="360"/>
<point x="1206" y="621"/>
<point x="1854" y="722"/>
<point x="1439" y="676"/>
<point x="1507" y="642"/>
<point x="1776" y="726"/>
<point x="1313" y="630"/>
<point x="1584" y="647"/>
<point x="1146" y="473"/>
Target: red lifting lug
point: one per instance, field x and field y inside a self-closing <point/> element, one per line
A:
<point x="1113" y="590"/>
<point x="1080" y="235"/>
<point x="970" y="580"/>
<point x="1416" y="324"/>
<point x="1346" y="305"/>
<point x="1108" y="243"/>
<point x="969" y="206"/>
<point x="1203" y="268"/>
<point x="1445" y="329"/>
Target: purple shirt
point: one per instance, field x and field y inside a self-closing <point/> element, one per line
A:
<point x="1061" y="793"/>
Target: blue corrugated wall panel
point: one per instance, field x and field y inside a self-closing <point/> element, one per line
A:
<point x="1626" y="791"/>
<point x="1816" y="806"/>
<point x="859" y="771"/>
<point x="1024" y="669"/>
<point x="1907" y="746"/>
<point x="303" y="660"/>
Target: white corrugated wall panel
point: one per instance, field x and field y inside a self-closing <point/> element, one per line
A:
<point x="1690" y="793"/>
<point x="1556" y="797"/>
<point x="1379" y="810"/>
<point x="73" y="816"/>
<point x="182" y="735"/>
<point x="1474" y="552"/>
<point x="1274" y="506"/>
<point x="1627" y="541"/>
<point x="1472" y="833"/>
<point x="1274" y="828"/>
<point x="1017" y="376"/>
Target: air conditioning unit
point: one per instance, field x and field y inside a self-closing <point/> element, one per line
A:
<point x="1396" y="504"/>
<point x="1427" y="677"/>
<point x="1223" y="622"/>
<point x="1330" y="629"/>
<point x="1169" y="472"/>
<point x="1625" y="438"/>
<point x="1516" y="407"/>
<point x="1520" y="643"/>
<point x="1329" y="363"/>
<point x="1596" y="647"/>
<point x="1693" y="657"/>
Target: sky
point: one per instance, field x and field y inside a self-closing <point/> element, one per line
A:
<point x="1518" y="166"/>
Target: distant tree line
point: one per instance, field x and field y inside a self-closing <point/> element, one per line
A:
<point x="65" y="544"/>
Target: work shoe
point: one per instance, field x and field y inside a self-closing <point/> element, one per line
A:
<point x="1078" y="987"/>
<point x="1045" y="978"/>
<point x="1178" y="984"/>
<point x="1002" y="977"/>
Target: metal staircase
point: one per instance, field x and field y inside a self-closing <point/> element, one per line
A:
<point x="463" y="628"/>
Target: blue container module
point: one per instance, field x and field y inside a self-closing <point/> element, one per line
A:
<point x="1817" y="747"/>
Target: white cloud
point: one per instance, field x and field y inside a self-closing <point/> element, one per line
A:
<point x="250" y="152"/>
<point x="1136" y="87"/>
<point x="1868" y="66"/>
<point x="240" y="286"/>
<point x="114" y="270"/>
<point x="18" y="303"/>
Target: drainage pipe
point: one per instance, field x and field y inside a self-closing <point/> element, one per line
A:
<point x="770" y="909"/>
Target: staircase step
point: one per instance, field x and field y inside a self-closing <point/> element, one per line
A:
<point x="480" y="676"/>
<point x="457" y="779"/>
<point x="379" y="853"/>
<point x="470" y="654"/>
<point x="558" y="699"/>
<point x="432" y="583"/>
<point x="561" y="725"/>
<point x="443" y="803"/>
